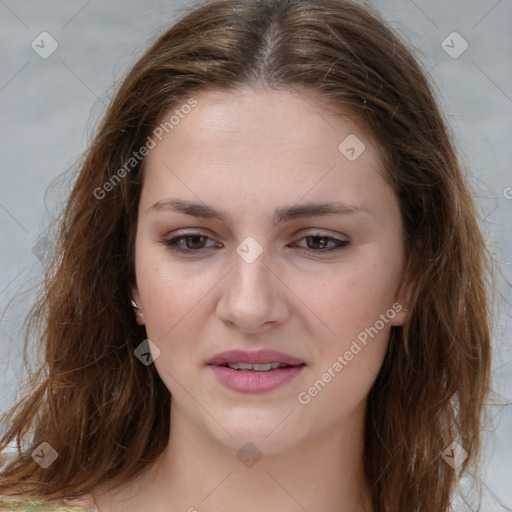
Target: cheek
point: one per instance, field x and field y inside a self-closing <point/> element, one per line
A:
<point x="350" y="298"/>
<point x="175" y="312"/>
<point x="169" y="302"/>
<point x="350" y="336"/>
<point x="177" y="304"/>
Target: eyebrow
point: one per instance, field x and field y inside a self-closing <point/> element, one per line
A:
<point x="283" y="214"/>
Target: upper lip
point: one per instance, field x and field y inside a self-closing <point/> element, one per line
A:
<point x="253" y="357"/>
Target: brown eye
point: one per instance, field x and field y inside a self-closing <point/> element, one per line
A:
<point x="189" y="243"/>
<point x="195" y="241"/>
<point x="320" y="242"/>
<point x="323" y="243"/>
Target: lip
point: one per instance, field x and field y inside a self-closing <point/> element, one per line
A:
<point x="253" y="357"/>
<point x="254" y="381"/>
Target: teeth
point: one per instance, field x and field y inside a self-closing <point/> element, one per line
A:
<point x="257" y="367"/>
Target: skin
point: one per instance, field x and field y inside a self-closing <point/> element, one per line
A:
<point x="249" y="153"/>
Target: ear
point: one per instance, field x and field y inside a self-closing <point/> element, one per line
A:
<point x="133" y="291"/>
<point x="135" y="297"/>
<point x="403" y="298"/>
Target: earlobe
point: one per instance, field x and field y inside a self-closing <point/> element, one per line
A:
<point x="401" y="314"/>
<point x="403" y="298"/>
<point x="136" y="305"/>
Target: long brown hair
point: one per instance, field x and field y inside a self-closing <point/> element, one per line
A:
<point x="106" y="414"/>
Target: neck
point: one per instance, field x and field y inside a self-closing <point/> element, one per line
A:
<point x="196" y="473"/>
<point x="322" y="474"/>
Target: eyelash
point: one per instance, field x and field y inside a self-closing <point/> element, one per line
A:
<point x="171" y="243"/>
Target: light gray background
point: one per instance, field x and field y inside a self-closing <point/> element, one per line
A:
<point x="49" y="108"/>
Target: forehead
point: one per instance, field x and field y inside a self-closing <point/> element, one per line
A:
<point x="259" y="144"/>
<point x="288" y="116"/>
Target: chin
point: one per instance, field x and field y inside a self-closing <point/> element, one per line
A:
<point x="266" y="435"/>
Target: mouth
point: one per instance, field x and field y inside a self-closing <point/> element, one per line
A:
<point x="260" y="360"/>
<point x="255" y="372"/>
<point x="253" y="367"/>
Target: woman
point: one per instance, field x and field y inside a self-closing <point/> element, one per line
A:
<point x="272" y="228"/>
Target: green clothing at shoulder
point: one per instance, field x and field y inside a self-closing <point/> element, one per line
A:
<point x="30" y="505"/>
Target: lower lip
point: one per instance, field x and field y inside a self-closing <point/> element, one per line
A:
<point x="253" y="381"/>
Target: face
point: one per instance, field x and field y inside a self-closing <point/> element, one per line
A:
<point x="236" y="249"/>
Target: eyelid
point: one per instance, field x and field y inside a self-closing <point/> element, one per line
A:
<point x="171" y="242"/>
<point x="340" y="243"/>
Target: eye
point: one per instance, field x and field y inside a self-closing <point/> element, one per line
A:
<point x="188" y="243"/>
<point x="319" y="243"/>
<point x="194" y="242"/>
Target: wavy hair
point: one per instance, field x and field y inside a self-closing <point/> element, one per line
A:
<point x="108" y="416"/>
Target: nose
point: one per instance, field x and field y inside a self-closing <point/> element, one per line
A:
<point x="253" y="296"/>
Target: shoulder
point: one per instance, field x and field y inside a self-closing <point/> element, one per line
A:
<point x="20" y="503"/>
